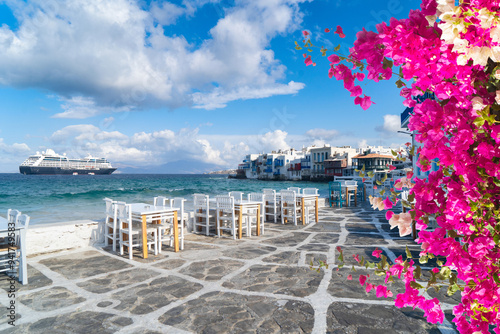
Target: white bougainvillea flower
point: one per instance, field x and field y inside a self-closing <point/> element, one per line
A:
<point x="478" y="103"/>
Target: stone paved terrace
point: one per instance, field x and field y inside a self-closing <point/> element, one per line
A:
<point x="255" y="285"/>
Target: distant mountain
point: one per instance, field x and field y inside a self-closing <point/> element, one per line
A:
<point x="176" y="167"/>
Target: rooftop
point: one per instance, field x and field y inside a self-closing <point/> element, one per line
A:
<point x="259" y="284"/>
<point x="372" y="155"/>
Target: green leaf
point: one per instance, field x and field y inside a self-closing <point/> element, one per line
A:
<point x="309" y="50"/>
<point x="387" y="63"/>
<point x="298" y="48"/>
<point x="415" y="285"/>
<point x="408" y="253"/>
<point x="400" y="84"/>
<point x="394" y="153"/>
<point x="452" y="289"/>
<point x="418" y="272"/>
<point x="423" y="259"/>
<point x="337" y="48"/>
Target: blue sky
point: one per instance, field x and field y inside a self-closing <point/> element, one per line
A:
<point x="147" y="83"/>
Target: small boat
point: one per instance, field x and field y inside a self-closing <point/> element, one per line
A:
<point x="75" y="173"/>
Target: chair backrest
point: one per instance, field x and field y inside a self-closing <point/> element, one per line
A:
<point x="160" y="201"/>
<point x="13" y="215"/>
<point x="225" y="203"/>
<point x="23" y="220"/>
<point x="335" y="186"/>
<point x="178" y="202"/>
<point x="123" y="211"/>
<point x="256" y="197"/>
<point x="351" y="183"/>
<point x="110" y="208"/>
<point x="200" y="201"/>
<point x="295" y="189"/>
<point x="288" y="196"/>
<point x="238" y="195"/>
<point x="310" y="191"/>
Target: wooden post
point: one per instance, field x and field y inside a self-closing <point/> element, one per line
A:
<point x="176" y="233"/>
<point x="302" y="211"/>
<point x="240" y="223"/>
<point x="258" y="219"/>
<point x="144" y="238"/>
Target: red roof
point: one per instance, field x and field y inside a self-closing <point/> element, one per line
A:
<point x="371" y="156"/>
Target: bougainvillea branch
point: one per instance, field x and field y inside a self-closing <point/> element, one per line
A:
<point x="452" y="51"/>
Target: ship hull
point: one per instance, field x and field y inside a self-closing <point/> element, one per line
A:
<point x="27" y="170"/>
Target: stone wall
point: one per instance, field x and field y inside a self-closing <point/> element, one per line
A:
<point x="56" y="237"/>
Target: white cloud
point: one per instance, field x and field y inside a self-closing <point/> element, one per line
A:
<point x="109" y="56"/>
<point x="391" y="126"/>
<point x="272" y="141"/>
<point x="15" y="149"/>
<point x="323" y="134"/>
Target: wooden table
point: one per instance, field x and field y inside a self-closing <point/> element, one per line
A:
<point x="5" y="230"/>
<point x="246" y="205"/>
<point x="152" y="212"/>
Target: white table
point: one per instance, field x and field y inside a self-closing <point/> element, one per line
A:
<point x="21" y="231"/>
<point x="152" y="212"/>
<point x="242" y="205"/>
<point x="347" y="189"/>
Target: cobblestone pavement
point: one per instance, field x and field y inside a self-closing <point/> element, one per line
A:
<point x="255" y="285"/>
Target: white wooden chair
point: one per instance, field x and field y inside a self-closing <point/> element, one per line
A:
<point x="290" y="210"/>
<point x="226" y="215"/>
<point x="13" y="250"/>
<point x="161" y="201"/>
<point x="177" y="202"/>
<point x="111" y="231"/>
<point x="271" y="204"/>
<point x="238" y="195"/>
<point x="131" y="231"/>
<point x="257" y="197"/>
<point x="310" y="204"/>
<point x="294" y="189"/>
<point x="204" y="217"/>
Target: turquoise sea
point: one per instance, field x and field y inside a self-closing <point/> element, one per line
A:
<point x="63" y="198"/>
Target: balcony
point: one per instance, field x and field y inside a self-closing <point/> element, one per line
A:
<point x="278" y="163"/>
<point x="268" y="170"/>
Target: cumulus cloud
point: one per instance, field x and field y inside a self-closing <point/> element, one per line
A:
<point x="323" y="134"/>
<point x="15" y="149"/>
<point x="391" y="126"/>
<point x="115" y="55"/>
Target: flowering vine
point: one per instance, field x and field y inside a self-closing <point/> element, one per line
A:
<point x="452" y="51"/>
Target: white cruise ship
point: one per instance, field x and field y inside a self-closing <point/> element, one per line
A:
<point x="48" y="162"/>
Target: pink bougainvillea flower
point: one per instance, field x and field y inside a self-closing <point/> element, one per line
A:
<point x="356" y="257"/>
<point x="365" y="102"/>
<point x="327" y="30"/>
<point x="369" y="287"/>
<point x="387" y="203"/>
<point x="362" y="279"/>
<point x="382" y="291"/>
<point x="339" y="32"/>
<point x="377" y="253"/>
<point x="308" y="61"/>
<point x="349" y="277"/>
<point x="409" y="175"/>
<point x="334" y="59"/>
<point x="389" y="214"/>
<point x="392" y="167"/>
<point x="435" y="270"/>
<point x="306" y="33"/>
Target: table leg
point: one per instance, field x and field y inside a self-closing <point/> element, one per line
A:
<point x="356" y="197"/>
<point x="258" y="220"/>
<point x="240" y="223"/>
<point x="23" y="277"/>
<point x="176" y="233"/>
<point x="303" y="211"/>
<point x="144" y="239"/>
<point x="316" y="211"/>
